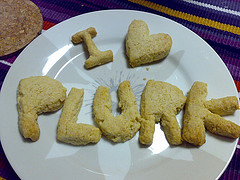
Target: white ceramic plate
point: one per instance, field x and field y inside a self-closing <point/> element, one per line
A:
<point x="53" y="54"/>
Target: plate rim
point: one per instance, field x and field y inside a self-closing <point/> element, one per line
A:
<point x="103" y="11"/>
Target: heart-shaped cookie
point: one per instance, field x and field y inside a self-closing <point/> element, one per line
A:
<point x="142" y="48"/>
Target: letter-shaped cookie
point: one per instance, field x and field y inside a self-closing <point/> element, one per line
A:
<point x="124" y="126"/>
<point x="97" y="57"/>
<point x="142" y="48"/>
<point x="36" y="95"/>
<point x="68" y="130"/>
<point x="161" y="101"/>
<point x="200" y="114"/>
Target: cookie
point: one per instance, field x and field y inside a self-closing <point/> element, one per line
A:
<point x="97" y="57"/>
<point x="142" y="48"/>
<point x="124" y="126"/>
<point x="37" y="95"/>
<point x="198" y="115"/>
<point x="161" y="102"/>
<point x="71" y="132"/>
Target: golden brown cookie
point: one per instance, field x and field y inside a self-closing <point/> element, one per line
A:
<point x="97" y="57"/>
<point x="120" y="128"/>
<point x="161" y="101"/>
<point x="200" y="114"/>
<point x="69" y="131"/>
<point x="36" y="95"/>
<point x="142" y="48"/>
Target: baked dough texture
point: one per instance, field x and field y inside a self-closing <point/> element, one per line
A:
<point x="142" y="48"/>
<point x="36" y="95"/>
<point x="96" y="57"/>
<point x="200" y="114"/>
<point x="20" y="22"/>
<point x="124" y="126"/>
<point x="69" y="131"/>
<point x="78" y="37"/>
<point x="161" y="101"/>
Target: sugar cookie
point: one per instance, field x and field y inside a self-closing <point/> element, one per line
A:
<point x="198" y="115"/>
<point x="97" y="57"/>
<point x="161" y="101"/>
<point x="36" y="95"/>
<point x="68" y="130"/>
<point x="142" y="48"/>
<point x="120" y="128"/>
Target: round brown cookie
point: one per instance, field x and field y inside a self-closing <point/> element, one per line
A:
<point x="21" y="21"/>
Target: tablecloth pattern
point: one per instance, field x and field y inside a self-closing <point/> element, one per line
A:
<point x="217" y="22"/>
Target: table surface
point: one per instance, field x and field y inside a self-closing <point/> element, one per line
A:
<point x="217" y="22"/>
